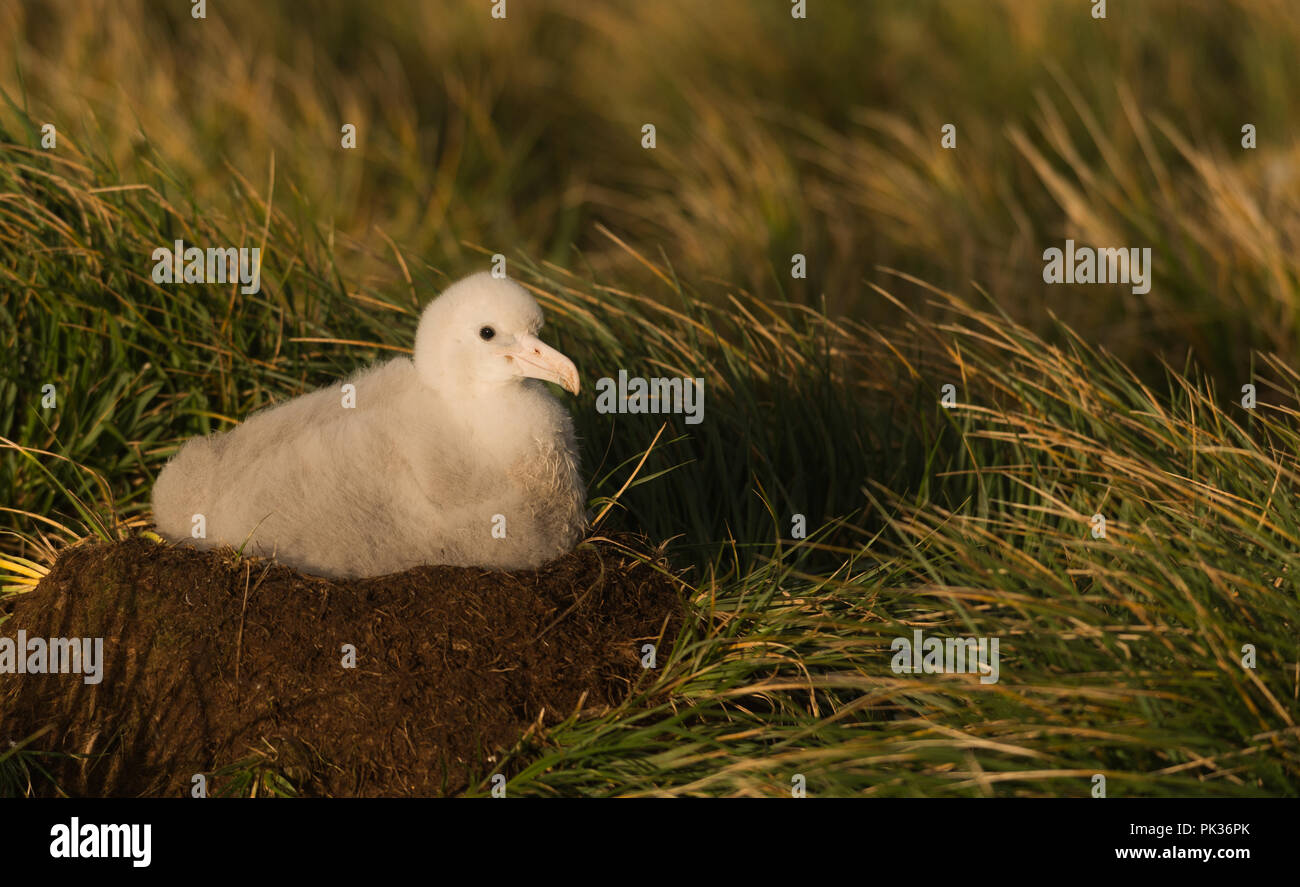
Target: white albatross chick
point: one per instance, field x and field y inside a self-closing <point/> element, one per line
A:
<point x="458" y="456"/>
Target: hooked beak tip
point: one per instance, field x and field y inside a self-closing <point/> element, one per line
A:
<point x="541" y="361"/>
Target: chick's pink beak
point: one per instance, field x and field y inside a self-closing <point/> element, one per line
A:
<point x="537" y="360"/>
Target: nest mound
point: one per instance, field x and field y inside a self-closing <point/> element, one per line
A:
<point x="209" y="659"/>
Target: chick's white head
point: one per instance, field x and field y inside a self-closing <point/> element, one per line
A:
<point x="481" y="334"/>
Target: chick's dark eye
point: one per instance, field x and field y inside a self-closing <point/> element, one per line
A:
<point x="486" y="333"/>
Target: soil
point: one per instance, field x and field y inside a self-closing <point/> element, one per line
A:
<point x="211" y="660"/>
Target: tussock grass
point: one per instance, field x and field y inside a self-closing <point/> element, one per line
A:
<point x="1121" y="656"/>
<point x="775" y="136"/>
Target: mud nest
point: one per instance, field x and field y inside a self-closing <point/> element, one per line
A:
<point x="212" y="662"/>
